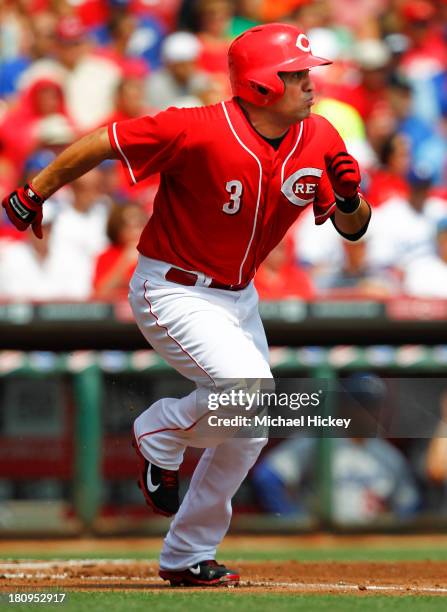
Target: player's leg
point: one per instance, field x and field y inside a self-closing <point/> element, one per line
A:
<point x="217" y="333"/>
<point x="205" y="514"/>
<point x="201" y="334"/>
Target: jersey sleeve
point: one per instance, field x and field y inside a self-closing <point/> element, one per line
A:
<point x="324" y="204"/>
<point x="148" y="145"/>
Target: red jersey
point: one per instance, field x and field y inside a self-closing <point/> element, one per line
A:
<point x="226" y="196"/>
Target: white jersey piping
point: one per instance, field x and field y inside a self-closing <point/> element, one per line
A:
<point x="259" y="188"/>
<point x="283" y="168"/>
<point x="122" y="154"/>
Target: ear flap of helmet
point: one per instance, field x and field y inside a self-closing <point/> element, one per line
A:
<point x="261" y="91"/>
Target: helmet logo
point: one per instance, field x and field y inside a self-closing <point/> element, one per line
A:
<point x="302" y="183"/>
<point x="302" y="42"/>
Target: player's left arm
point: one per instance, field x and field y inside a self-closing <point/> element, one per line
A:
<point x="352" y="213"/>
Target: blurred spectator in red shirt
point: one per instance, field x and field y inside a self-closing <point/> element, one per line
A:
<point x="19" y="126"/>
<point x="91" y="12"/>
<point x="115" y="265"/>
<point x="89" y="81"/>
<point x="214" y="23"/>
<point x="389" y="180"/>
<point x="279" y="277"/>
<point x="427" y="53"/>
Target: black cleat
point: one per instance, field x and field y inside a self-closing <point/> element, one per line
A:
<point x="159" y="486"/>
<point x="205" y="573"/>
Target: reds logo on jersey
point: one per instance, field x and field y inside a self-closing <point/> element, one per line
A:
<point x="301" y="186"/>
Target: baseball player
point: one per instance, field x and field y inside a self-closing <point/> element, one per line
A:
<point x="234" y="177"/>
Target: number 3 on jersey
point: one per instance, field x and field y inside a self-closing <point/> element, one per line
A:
<point x="234" y="188"/>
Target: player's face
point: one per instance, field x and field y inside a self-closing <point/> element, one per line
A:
<point x="298" y="96"/>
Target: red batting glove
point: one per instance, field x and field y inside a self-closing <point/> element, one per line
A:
<point x="24" y="208"/>
<point x="344" y="174"/>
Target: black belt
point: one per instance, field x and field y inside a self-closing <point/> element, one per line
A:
<point x="175" y="275"/>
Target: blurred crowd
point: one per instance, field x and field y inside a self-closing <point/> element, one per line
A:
<point x="69" y="66"/>
<point x="372" y="478"/>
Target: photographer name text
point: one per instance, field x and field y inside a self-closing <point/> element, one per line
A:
<point x="278" y="421"/>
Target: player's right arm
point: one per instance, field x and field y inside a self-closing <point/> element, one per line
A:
<point x="74" y="161"/>
<point x="24" y="206"/>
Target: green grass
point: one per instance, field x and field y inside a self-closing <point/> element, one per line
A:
<point x="341" y="554"/>
<point x="151" y="599"/>
<point x="305" y="554"/>
<point x="231" y="600"/>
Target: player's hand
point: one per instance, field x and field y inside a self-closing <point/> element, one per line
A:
<point x="24" y="208"/>
<point x="344" y="174"/>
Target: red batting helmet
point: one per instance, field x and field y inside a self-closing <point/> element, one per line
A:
<point x="257" y="56"/>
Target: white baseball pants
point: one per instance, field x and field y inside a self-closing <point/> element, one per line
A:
<point x="206" y="335"/>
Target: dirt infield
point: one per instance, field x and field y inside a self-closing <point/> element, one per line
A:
<point x="425" y="577"/>
<point x="288" y="576"/>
